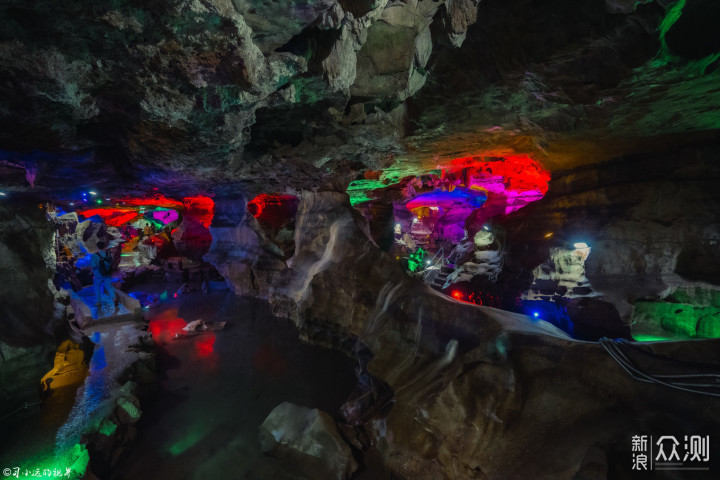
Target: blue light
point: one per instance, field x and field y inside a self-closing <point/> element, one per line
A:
<point x="536" y="314"/>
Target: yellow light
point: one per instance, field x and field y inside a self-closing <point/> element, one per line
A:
<point x="548" y="235"/>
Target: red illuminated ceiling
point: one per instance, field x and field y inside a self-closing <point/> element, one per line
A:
<point x="513" y="174"/>
<point x="157" y="200"/>
<point x="273" y="209"/>
<point x="198" y="208"/>
<point x="115" y="217"/>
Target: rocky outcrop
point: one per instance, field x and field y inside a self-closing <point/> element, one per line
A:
<point x="109" y="426"/>
<point x="178" y="84"/>
<point x="28" y="253"/>
<point x="640" y="227"/>
<point x="308" y="440"/>
<point x="30" y="320"/>
<point x="476" y="392"/>
<point x="249" y="262"/>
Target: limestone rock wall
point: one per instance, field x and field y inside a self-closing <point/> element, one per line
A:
<point x="650" y="221"/>
<point x="475" y="392"/>
<point x="29" y="321"/>
<point x="175" y="84"/>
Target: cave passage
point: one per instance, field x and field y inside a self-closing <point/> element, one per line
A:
<point x="360" y="239"/>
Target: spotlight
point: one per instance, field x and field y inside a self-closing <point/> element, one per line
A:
<point x="486" y="228"/>
<point x="2" y="194"/>
<point x="536" y="314"/>
<point x="548" y="235"/>
<point x="72" y="203"/>
<point x="99" y="201"/>
<point x="92" y="193"/>
<point x="580" y="245"/>
<point x="427" y="261"/>
<point x="415" y="220"/>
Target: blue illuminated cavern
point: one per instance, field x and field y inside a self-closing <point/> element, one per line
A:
<point x="360" y="240"/>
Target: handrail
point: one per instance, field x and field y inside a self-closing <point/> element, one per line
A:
<point x="24" y="407"/>
<point x="431" y="269"/>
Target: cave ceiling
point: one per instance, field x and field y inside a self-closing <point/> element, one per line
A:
<point x="290" y="95"/>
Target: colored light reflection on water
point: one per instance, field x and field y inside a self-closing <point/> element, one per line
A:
<point x="205" y="345"/>
<point x="269" y="360"/>
<point x="166" y="325"/>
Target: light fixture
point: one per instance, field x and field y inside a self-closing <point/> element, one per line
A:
<point x="92" y="193"/>
<point x="2" y="194"/>
<point x="580" y="245"/>
<point x="486" y="228"/>
<point x="549" y="234"/>
<point x="72" y="203"/>
<point x="536" y="314"/>
<point x="99" y="201"/>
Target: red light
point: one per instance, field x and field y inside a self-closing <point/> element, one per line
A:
<point x="273" y="209"/>
<point x="114" y="217"/>
<point x="156" y="200"/>
<point x="205" y="345"/>
<point x="199" y="208"/>
<point x="165" y="325"/>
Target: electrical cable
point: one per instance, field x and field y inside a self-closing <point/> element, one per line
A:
<point x="614" y="348"/>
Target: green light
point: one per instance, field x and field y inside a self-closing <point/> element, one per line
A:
<point x="649" y="338"/>
<point x="358" y="190"/>
<point x="672" y="15"/>
<point x="416" y="261"/>
<point x="684" y="320"/>
<point x="194" y="435"/>
<point x="71" y="463"/>
<point x="99" y="201"/>
<point x="107" y="427"/>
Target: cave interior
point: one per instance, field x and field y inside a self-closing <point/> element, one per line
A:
<point x="352" y="239"/>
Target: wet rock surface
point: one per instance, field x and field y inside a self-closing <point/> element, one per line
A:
<point x="453" y="366"/>
<point x="617" y="100"/>
<point x="308" y="440"/>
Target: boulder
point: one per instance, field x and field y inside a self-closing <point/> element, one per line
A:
<point x="308" y="440"/>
